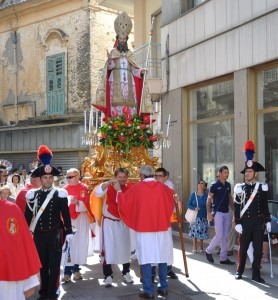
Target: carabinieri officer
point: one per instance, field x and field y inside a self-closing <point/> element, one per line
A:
<point x="45" y="210"/>
<point x="251" y="213"/>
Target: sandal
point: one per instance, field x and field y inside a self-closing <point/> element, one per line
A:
<point x="194" y="251"/>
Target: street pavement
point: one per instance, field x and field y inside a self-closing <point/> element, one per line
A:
<point x="205" y="282"/>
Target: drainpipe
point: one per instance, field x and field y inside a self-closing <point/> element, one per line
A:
<point x="16" y="77"/>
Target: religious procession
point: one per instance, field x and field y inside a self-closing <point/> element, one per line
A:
<point x="124" y="211"/>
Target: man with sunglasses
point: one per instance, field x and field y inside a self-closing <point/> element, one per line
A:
<point x="218" y="202"/>
<point x="81" y="218"/>
<point x="163" y="176"/>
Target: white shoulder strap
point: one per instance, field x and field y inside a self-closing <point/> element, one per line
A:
<point x="41" y="210"/>
<point x="250" y="199"/>
<point x="196" y="199"/>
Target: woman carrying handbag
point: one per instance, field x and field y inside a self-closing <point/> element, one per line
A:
<point x="199" y="228"/>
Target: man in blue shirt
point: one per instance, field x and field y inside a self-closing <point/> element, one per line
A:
<point x="218" y="202"/>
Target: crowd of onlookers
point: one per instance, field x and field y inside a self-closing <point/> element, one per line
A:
<point x="17" y="179"/>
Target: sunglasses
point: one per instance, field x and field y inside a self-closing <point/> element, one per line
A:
<point x="70" y="177"/>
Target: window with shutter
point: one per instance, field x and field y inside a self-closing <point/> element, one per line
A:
<point x="55" y="84"/>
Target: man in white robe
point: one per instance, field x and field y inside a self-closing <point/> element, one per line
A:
<point x="81" y="218"/>
<point x="115" y="241"/>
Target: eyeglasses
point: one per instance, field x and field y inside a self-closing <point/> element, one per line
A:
<point x="70" y="177"/>
<point x="158" y="175"/>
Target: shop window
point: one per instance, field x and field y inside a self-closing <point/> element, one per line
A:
<point x="194" y="3"/>
<point x="212" y="130"/>
<point x="267" y="103"/>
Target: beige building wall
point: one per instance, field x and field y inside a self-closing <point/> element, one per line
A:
<point x="143" y="12"/>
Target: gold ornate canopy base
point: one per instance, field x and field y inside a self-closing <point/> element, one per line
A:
<point x="104" y="161"/>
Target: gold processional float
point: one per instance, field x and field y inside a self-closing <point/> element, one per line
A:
<point x="123" y="141"/>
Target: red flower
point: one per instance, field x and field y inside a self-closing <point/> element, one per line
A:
<point x="143" y="126"/>
<point x="102" y="136"/>
<point x="128" y="117"/>
<point x="127" y="122"/>
<point x="153" y="138"/>
<point x="121" y="138"/>
<point x="141" y="138"/>
<point x="146" y="120"/>
<point x="115" y="126"/>
<point x="126" y="110"/>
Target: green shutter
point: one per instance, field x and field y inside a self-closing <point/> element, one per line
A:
<point x="55" y="84"/>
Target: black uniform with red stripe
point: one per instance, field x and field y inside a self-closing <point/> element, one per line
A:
<point x="253" y="223"/>
<point x="48" y="236"/>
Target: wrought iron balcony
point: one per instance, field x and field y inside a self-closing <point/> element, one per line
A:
<point x="154" y="60"/>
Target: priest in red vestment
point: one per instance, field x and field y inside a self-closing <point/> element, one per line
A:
<point x="19" y="259"/>
<point x="147" y="208"/>
<point x="81" y="218"/>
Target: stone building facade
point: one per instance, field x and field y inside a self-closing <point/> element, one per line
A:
<point x="52" y="52"/>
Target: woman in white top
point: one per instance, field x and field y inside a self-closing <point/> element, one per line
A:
<point x="15" y="186"/>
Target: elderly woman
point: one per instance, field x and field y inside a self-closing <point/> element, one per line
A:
<point x="199" y="228"/>
<point x="5" y="193"/>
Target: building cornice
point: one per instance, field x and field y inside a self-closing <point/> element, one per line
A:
<point x="33" y="10"/>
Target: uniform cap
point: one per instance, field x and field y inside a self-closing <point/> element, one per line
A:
<point x="249" y="149"/>
<point x="45" y="156"/>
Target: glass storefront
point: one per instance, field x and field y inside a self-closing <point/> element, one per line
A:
<point x="267" y="97"/>
<point x="212" y="131"/>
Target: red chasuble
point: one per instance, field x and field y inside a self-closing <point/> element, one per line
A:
<point x="81" y="192"/>
<point x="111" y="200"/>
<point x="18" y="255"/>
<point x="21" y="197"/>
<point x="147" y="206"/>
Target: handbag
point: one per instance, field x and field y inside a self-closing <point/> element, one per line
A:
<point x="191" y="215"/>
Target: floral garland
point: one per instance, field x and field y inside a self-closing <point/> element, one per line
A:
<point x="125" y="132"/>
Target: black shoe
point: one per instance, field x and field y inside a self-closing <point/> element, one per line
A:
<point x="146" y="295"/>
<point x="227" y="262"/>
<point x="172" y="275"/>
<point x="162" y="293"/>
<point x="238" y="275"/>
<point x="258" y="279"/>
<point x="209" y="257"/>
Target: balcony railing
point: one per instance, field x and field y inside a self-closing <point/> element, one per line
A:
<point x="270" y="75"/>
<point x="222" y="88"/>
<point x="154" y="60"/>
